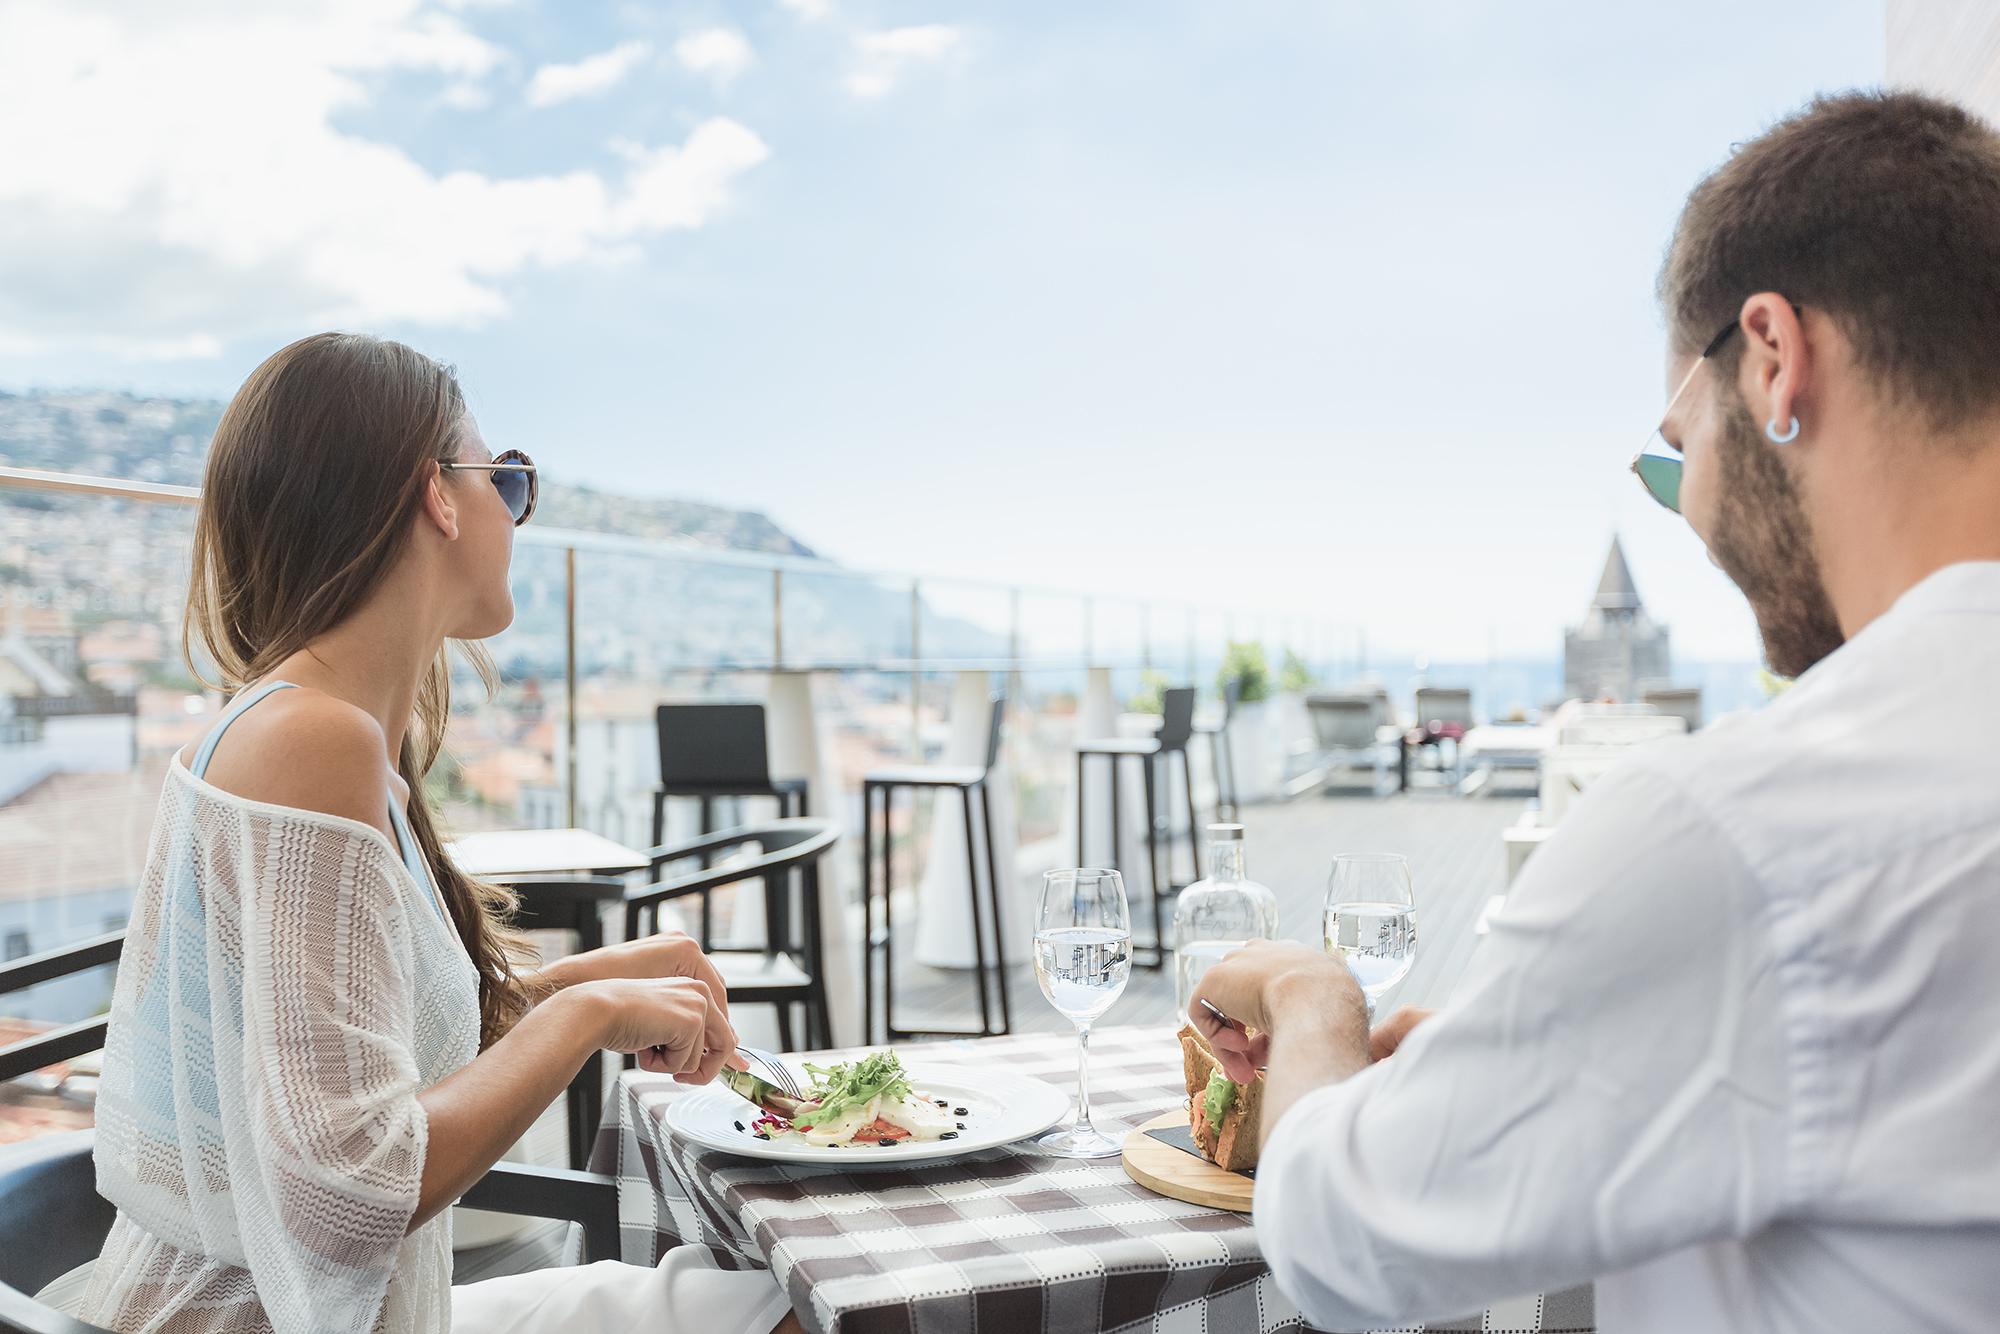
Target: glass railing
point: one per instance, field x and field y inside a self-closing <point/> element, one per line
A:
<point x="94" y="696"/>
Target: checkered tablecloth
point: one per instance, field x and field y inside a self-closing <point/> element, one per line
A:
<point x="1008" y="1240"/>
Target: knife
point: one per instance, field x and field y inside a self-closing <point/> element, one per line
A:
<point x="765" y="1094"/>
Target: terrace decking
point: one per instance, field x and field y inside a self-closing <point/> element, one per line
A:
<point x="1456" y="860"/>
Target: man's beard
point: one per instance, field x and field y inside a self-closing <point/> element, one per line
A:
<point x="1763" y="542"/>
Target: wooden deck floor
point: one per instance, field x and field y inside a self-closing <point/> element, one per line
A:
<point x="1456" y="860"/>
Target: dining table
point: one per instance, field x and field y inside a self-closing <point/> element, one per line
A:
<point x="515" y="854"/>
<point x="1007" y="1239"/>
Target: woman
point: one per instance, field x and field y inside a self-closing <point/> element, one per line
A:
<point x="320" y="1037"/>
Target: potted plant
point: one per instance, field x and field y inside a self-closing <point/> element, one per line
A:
<point x="1255" y="749"/>
<point x="1291" y="723"/>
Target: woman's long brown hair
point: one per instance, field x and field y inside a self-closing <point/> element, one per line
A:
<point x="313" y="484"/>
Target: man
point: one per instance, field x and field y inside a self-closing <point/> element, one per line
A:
<point x="1733" y="1047"/>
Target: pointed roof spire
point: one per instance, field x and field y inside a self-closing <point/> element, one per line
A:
<point x="1615" y="589"/>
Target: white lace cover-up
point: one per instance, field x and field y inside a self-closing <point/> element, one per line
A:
<point x="287" y="988"/>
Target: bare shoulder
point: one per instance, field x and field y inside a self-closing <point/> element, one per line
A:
<point x="308" y="750"/>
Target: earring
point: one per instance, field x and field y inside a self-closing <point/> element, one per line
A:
<point x="1771" y="432"/>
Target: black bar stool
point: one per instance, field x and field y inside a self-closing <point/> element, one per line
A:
<point x="1176" y="729"/>
<point x="572" y="903"/>
<point x="1219" y="754"/>
<point x="967" y="780"/>
<point x="717" y="750"/>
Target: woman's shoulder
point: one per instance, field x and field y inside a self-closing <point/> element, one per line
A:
<point x="307" y="750"/>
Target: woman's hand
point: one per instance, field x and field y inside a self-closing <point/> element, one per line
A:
<point x="667" y="954"/>
<point x="678" y="1025"/>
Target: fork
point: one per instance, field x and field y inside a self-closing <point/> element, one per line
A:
<point x="784" y="1078"/>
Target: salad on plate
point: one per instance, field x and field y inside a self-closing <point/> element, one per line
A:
<point x="865" y="1103"/>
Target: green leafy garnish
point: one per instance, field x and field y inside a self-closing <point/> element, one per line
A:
<point x="838" y="1089"/>
<point x="1217" y="1099"/>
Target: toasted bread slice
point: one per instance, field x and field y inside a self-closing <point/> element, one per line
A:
<point x="1232" y="1144"/>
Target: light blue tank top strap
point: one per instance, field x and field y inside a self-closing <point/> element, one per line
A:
<point x="406" y="842"/>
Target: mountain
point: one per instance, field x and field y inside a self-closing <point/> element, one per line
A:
<point x="88" y="561"/>
<point x="105" y="433"/>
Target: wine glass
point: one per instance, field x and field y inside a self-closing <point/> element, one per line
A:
<point x="1371" y="919"/>
<point x="1083" y="956"/>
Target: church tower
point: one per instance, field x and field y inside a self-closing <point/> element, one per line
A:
<point x="1617" y="651"/>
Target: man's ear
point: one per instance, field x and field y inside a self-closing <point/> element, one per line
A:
<point x="1777" y="368"/>
<point x="438" y="509"/>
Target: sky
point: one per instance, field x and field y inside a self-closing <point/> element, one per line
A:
<point x="1340" y="310"/>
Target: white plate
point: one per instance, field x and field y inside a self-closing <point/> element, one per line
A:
<point x="1000" y="1108"/>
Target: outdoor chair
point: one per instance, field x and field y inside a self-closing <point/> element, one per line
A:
<point x="52" y="1219"/>
<point x="789" y="968"/>
<point x="1346" y="733"/>
<point x="970" y="782"/>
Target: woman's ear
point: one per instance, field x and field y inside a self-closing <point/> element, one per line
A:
<point x="438" y="509"/>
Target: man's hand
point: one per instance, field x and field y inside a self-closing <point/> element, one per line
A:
<point x="1389" y="1034"/>
<point x="1270" y="986"/>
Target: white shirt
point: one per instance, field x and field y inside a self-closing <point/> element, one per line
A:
<point x="1732" y="1047"/>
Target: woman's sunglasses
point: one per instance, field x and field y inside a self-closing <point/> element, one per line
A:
<point x="513" y="477"/>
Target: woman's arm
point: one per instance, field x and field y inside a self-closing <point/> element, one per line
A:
<point x="477" y="1112"/>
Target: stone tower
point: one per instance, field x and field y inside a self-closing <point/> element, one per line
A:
<point x="1617" y="651"/>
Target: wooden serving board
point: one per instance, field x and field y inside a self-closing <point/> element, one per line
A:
<point x="1182" y="1176"/>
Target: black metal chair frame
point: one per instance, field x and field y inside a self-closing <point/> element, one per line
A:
<point x="573" y="903"/>
<point x="785" y="848"/>
<point x="1176" y="729"/>
<point x="718" y="730"/>
<point x="52" y="1219"/>
<point x="942" y="778"/>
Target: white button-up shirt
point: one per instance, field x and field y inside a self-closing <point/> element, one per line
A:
<point x="1732" y="1047"/>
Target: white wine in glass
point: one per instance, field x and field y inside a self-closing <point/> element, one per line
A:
<point x="1083" y="957"/>
<point x="1371" y="920"/>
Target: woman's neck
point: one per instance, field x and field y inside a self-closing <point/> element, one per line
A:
<point x="375" y="660"/>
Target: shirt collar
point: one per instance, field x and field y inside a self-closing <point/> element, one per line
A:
<point x="1972" y="585"/>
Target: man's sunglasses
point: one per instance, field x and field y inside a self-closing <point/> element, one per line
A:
<point x="1659" y="472"/>
<point x="514" y="478"/>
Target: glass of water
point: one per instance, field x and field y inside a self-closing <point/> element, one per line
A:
<point x="1083" y="956"/>
<point x="1371" y="920"/>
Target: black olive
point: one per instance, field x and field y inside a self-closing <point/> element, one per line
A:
<point x="941" y="1102"/>
<point x="949" y="1134"/>
<point x="961" y="1125"/>
<point x="739" y="1125"/>
<point x="885" y="1143"/>
<point x="960" y="1111"/>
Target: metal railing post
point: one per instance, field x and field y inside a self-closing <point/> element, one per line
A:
<point x="569" y="680"/>
<point x="777" y="617"/>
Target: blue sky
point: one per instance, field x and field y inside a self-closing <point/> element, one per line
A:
<point x="1329" y="308"/>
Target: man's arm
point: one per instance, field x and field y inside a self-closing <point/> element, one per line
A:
<point x="1609" y="1084"/>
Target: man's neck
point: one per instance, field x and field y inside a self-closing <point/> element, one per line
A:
<point x="1936" y="505"/>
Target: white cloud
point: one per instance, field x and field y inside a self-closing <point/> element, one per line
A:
<point x="720" y="53"/>
<point x="203" y="186"/>
<point x="809" y="10"/>
<point x="881" y="59"/>
<point x="587" y="77"/>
